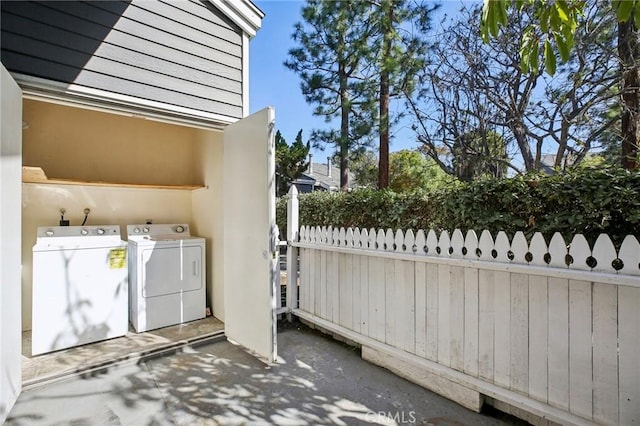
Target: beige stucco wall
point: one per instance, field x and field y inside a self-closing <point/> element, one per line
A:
<point x="73" y="143"/>
<point x="207" y="212"/>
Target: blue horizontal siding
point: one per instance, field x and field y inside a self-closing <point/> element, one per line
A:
<point x="183" y="53"/>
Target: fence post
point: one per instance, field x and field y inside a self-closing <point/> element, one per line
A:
<point x="292" y="252"/>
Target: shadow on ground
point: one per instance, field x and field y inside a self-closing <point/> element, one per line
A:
<point x="317" y="381"/>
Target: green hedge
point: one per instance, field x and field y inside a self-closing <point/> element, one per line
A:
<point x="587" y="201"/>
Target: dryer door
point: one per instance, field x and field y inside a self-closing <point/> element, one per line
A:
<point x="249" y="221"/>
<point x="171" y="269"/>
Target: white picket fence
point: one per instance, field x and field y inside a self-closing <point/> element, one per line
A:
<point x="476" y="317"/>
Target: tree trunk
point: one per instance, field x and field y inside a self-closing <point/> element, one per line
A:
<point x="629" y="51"/>
<point x="520" y="133"/>
<point x="344" y="130"/>
<point x="383" y="163"/>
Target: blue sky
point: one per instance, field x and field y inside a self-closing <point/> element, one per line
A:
<point x="271" y="84"/>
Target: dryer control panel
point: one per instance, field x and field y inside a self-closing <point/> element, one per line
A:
<point x="147" y="231"/>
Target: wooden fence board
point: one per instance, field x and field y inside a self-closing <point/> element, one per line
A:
<point x="486" y="324"/>
<point x="315" y="276"/>
<point x="409" y="307"/>
<point x="320" y="284"/>
<point x="444" y="315"/>
<point x="314" y="281"/>
<point x="335" y="287"/>
<point x="580" y="362"/>
<point x="376" y="299"/>
<point x="502" y="330"/>
<point x="421" y="309"/>
<point x="432" y="312"/>
<point x="520" y="333"/>
<point x="605" y="354"/>
<point x="457" y="318"/>
<point x="400" y="305"/>
<point x="324" y="289"/>
<point x="356" y="297"/>
<point x="391" y="302"/>
<point x="538" y="337"/>
<point x="629" y="357"/>
<point x="305" y="266"/>
<point x="365" y="294"/>
<point x="471" y="320"/>
<point x="345" y="291"/>
<point x="559" y="343"/>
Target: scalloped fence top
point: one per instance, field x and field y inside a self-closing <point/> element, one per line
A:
<point x="557" y="253"/>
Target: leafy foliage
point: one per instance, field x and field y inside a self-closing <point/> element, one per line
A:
<point x="476" y="92"/>
<point x="553" y="28"/>
<point x="290" y="161"/>
<point x="365" y="169"/>
<point x="409" y="171"/>
<point x="583" y="201"/>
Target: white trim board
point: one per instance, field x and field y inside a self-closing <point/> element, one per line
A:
<point x="243" y="13"/>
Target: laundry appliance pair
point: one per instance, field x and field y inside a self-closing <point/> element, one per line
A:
<point x="88" y="283"/>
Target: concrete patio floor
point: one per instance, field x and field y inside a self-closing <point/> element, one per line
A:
<point x="55" y="365"/>
<point x="317" y="381"/>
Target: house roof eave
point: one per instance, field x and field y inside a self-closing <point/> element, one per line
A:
<point x="243" y="13"/>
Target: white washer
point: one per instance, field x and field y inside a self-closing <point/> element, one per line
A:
<point x="80" y="288"/>
<point x="167" y="275"/>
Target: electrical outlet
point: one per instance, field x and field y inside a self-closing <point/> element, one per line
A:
<point x="63" y="222"/>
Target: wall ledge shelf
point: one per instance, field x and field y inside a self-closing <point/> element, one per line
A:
<point x="36" y="175"/>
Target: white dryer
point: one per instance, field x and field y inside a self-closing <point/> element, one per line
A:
<point x="80" y="292"/>
<point x="167" y="275"/>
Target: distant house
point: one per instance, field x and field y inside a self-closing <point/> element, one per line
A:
<point x="320" y="177"/>
<point x="548" y="161"/>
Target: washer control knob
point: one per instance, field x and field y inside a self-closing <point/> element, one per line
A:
<point x="100" y="231"/>
<point x="49" y="232"/>
<point x="84" y="232"/>
<point x="145" y="229"/>
<point x="136" y="230"/>
<point x="179" y="229"/>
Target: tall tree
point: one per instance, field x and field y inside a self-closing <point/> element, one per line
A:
<point x="291" y="161"/>
<point x="629" y="51"/>
<point x="401" y="55"/>
<point x="387" y="12"/>
<point x="332" y="45"/>
<point x="552" y="31"/>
